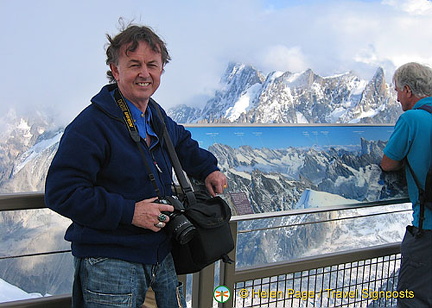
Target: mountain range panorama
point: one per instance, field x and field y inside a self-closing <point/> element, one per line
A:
<point x="246" y="95"/>
<point x="273" y="180"/>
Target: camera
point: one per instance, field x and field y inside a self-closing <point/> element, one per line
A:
<point x="180" y="227"/>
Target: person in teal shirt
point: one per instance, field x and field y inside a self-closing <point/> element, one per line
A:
<point x="410" y="147"/>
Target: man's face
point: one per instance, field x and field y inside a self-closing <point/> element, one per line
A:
<point x="404" y="97"/>
<point x="138" y="73"/>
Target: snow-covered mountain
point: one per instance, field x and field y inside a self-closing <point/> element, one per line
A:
<point x="248" y="96"/>
<point x="28" y="143"/>
<point x="273" y="180"/>
<point x="27" y="146"/>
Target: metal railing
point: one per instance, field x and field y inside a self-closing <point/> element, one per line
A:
<point x="357" y="278"/>
<point x="354" y="277"/>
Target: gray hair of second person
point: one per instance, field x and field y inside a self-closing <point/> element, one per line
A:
<point x="132" y="36"/>
<point x="416" y="76"/>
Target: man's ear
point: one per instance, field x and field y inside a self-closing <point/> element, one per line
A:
<point x="408" y="89"/>
<point x="114" y="71"/>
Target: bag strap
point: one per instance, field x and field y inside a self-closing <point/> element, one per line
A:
<point x="184" y="184"/>
<point x="428" y="108"/>
<point x="422" y="193"/>
<point x="421" y="199"/>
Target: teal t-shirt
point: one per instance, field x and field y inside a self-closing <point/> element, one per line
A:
<point x="412" y="139"/>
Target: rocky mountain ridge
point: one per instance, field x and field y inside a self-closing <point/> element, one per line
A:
<point x="246" y="95"/>
<point x="273" y="180"/>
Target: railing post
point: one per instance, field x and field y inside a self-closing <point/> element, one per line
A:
<point x="202" y="287"/>
<point x="227" y="271"/>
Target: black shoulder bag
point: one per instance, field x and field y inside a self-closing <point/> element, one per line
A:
<point x="212" y="238"/>
<point x="210" y="216"/>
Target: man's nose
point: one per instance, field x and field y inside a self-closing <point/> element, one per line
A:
<point x="144" y="72"/>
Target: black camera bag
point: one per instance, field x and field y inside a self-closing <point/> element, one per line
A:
<point x="213" y="240"/>
<point x="210" y="216"/>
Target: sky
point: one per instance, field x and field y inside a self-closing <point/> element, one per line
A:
<point x="53" y="51"/>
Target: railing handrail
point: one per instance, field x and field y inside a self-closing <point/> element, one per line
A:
<point x="35" y="200"/>
<point x="55" y="301"/>
<point x="229" y="273"/>
<point x="22" y="201"/>
<point x="230" y="124"/>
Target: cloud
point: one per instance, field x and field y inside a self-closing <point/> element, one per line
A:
<point x="53" y="51"/>
<point x="283" y="58"/>
<point x="414" y="7"/>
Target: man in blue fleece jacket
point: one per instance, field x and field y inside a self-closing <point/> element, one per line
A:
<point x="99" y="180"/>
<point x="410" y="146"/>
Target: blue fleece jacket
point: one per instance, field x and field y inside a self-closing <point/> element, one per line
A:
<point x="98" y="174"/>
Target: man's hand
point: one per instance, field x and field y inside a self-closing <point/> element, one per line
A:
<point x="147" y="212"/>
<point x="215" y="183"/>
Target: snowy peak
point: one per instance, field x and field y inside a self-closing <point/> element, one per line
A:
<point x="233" y="98"/>
<point x="312" y="199"/>
<point x="247" y="96"/>
<point x="302" y="80"/>
<point x="24" y="138"/>
<point x="238" y="76"/>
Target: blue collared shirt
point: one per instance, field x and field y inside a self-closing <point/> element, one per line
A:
<point x="142" y="122"/>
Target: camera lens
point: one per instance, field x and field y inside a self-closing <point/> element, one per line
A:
<point x="179" y="226"/>
<point x="186" y="235"/>
<point x="182" y="229"/>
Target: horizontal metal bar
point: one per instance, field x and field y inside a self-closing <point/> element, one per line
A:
<point x="55" y="301"/>
<point x="37" y="254"/>
<point x="207" y="125"/>
<point x="22" y="201"/>
<point x="303" y="223"/>
<point x="318" y="209"/>
<point x="35" y="200"/>
<point x="302" y="264"/>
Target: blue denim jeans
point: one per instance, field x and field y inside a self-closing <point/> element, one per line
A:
<point x="415" y="273"/>
<point x="103" y="282"/>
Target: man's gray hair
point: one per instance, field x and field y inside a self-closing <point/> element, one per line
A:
<point x="416" y="76"/>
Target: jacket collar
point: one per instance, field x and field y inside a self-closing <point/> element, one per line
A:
<point x="105" y="101"/>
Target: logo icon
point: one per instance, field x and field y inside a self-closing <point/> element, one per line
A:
<point x="221" y="294"/>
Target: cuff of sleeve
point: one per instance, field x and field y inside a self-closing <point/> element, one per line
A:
<point x="206" y="174"/>
<point x="128" y="212"/>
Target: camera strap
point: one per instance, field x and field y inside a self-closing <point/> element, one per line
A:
<point x="133" y="132"/>
<point x="184" y="184"/>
